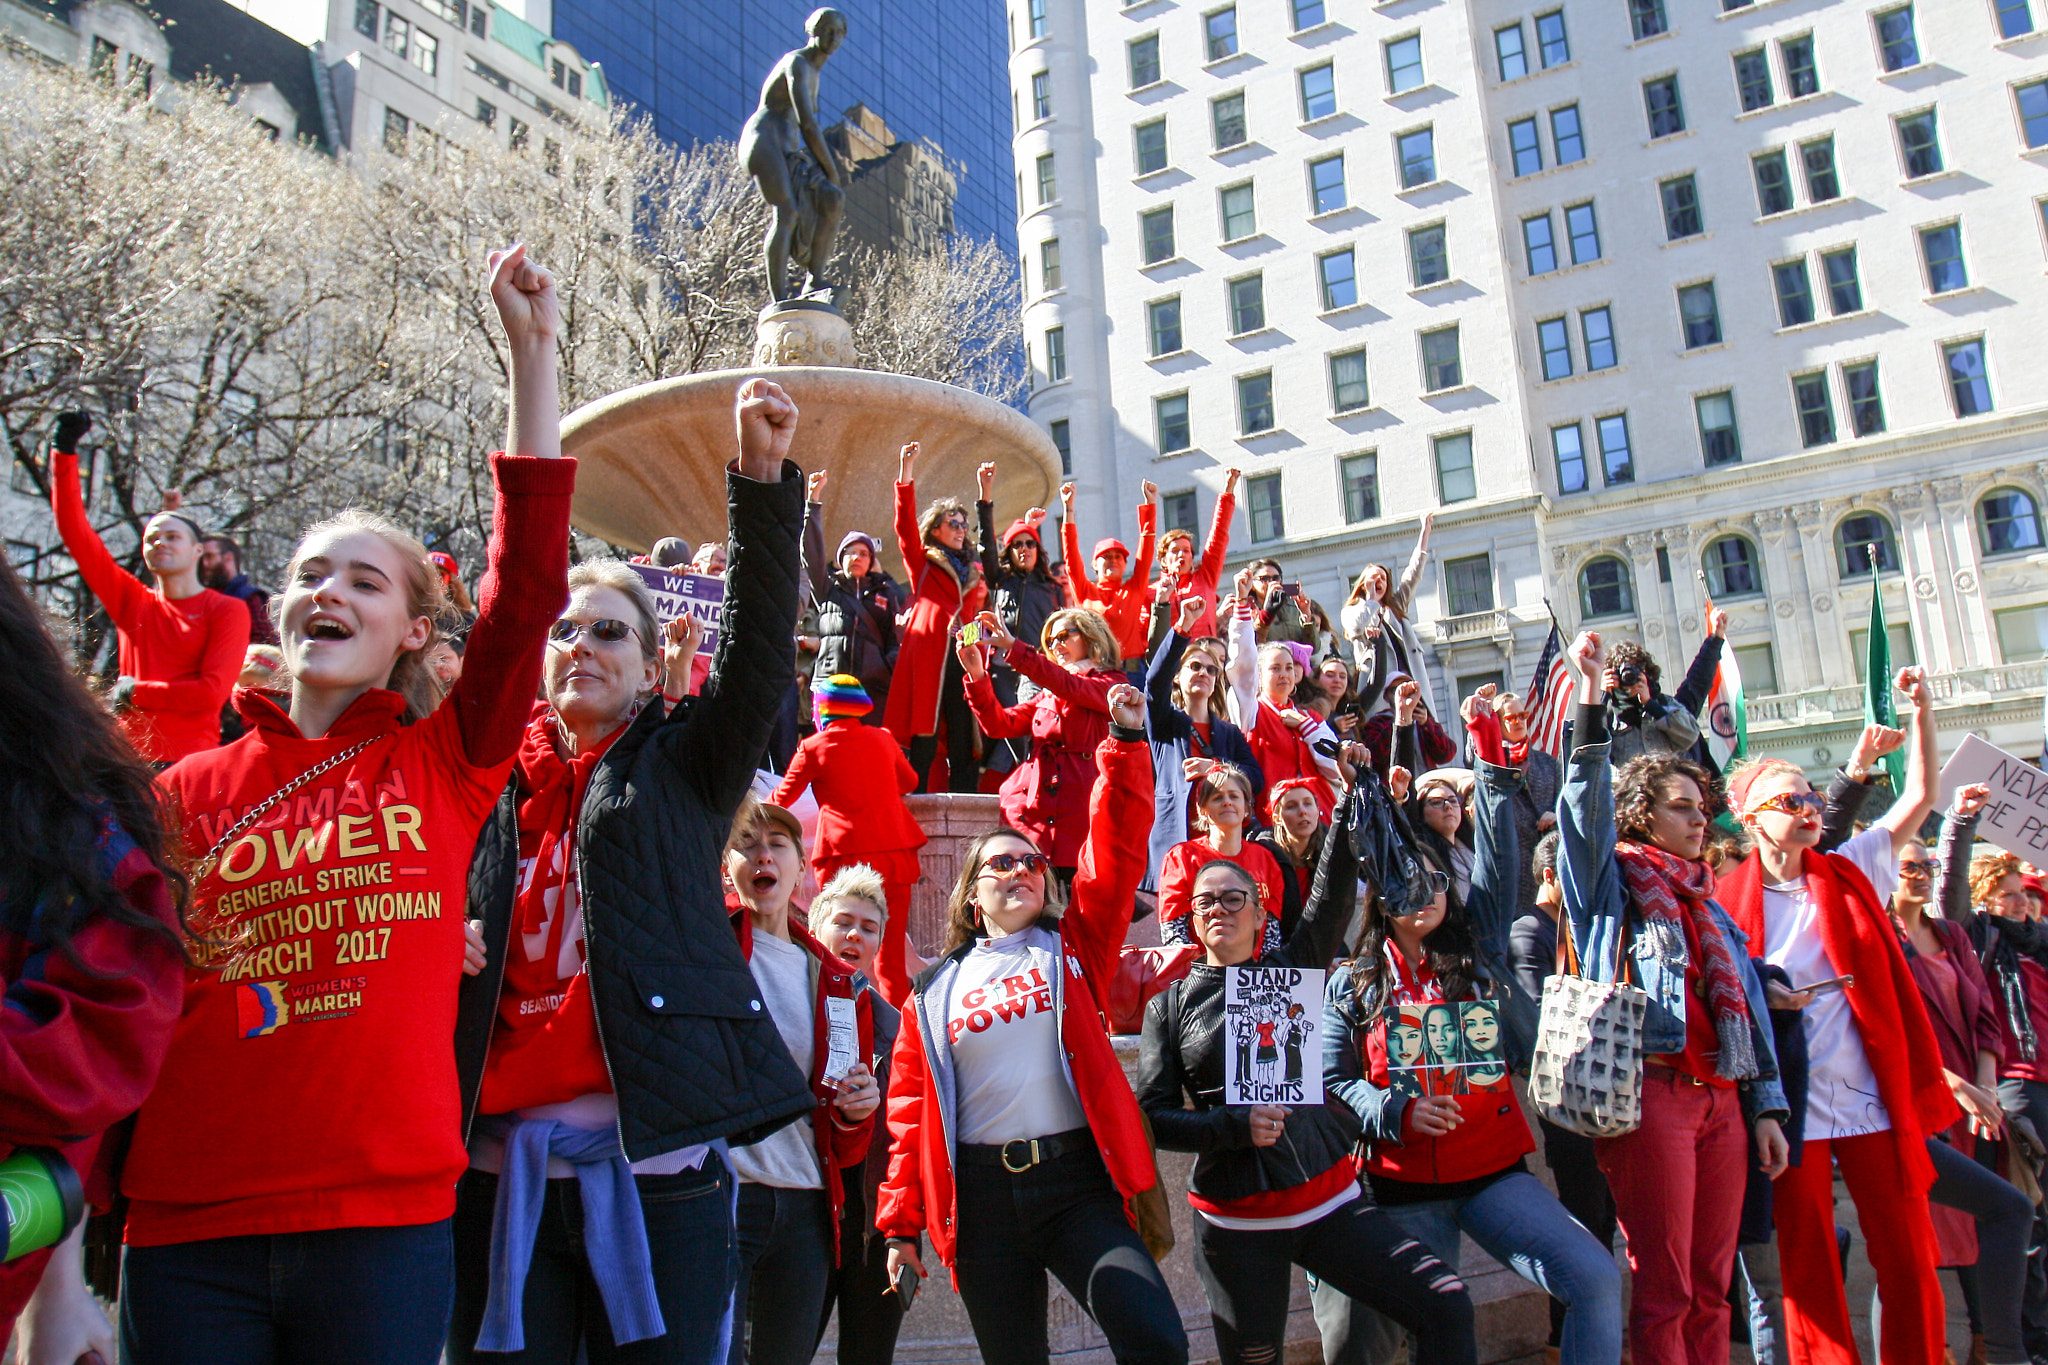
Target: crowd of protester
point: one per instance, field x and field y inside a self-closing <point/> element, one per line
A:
<point x="398" y="975"/>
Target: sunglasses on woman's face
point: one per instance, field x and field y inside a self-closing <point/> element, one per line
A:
<point x="565" y="631"/>
<point x="1794" y="803"/>
<point x="1002" y="864"/>
<point x="1916" y="869"/>
<point x="1068" y="634"/>
<point x="1220" y="904"/>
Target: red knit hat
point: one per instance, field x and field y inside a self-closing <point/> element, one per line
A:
<point x="1022" y="526"/>
<point x="1111" y="545"/>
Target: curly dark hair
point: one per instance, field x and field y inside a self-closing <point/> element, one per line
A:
<point x="1629" y="652"/>
<point x="1637" y="784"/>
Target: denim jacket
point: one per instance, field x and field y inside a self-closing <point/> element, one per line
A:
<point x="1600" y="914"/>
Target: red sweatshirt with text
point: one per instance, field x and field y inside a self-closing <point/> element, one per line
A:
<point x="311" y="1079"/>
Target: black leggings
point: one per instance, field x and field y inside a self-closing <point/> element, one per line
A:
<point x="1357" y="1252"/>
<point x="956" y="722"/>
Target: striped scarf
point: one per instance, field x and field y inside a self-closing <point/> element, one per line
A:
<point x="1668" y="891"/>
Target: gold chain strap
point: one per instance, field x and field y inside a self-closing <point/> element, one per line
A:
<point x="213" y="855"/>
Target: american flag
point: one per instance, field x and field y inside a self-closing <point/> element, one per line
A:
<point x="1550" y="696"/>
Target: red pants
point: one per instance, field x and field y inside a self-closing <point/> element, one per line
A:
<point x="899" y="869"/>
<point x="1896" y="1232"/>
<point x="1677" y="1183"/>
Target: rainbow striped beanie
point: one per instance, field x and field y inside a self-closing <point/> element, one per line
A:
<point x="841" y="697"/>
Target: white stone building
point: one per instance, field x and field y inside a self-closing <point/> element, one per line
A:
<point x="1754" y="299"/>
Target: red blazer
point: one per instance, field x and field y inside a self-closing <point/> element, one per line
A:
<point x="925" y="629"/>
<point x="1046" y="796"/>
<point x="1126" y="605"/>
<point x="848" y="765"/>
<point x="918" y="1193"/>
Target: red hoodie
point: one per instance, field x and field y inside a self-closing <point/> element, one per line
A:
<point x="310" y="1082"/>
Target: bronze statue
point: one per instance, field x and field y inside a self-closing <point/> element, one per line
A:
<point x="784" y="150"/>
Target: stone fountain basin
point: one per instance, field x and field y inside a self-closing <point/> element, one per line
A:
<point x="652" y="459"/>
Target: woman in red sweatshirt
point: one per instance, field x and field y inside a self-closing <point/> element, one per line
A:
<point x="292" y="1177"/>
<point x="1225" y="798"/>
<point x="946" y="588"/>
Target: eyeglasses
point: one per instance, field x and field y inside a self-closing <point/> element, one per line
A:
<point x="1197" y="666"/>
<point x="1002" y="864"/>
<point x="1221" y="904"/>
<point x="954" y="523"/>
<point x="1068" y="633"/>
<point x="1442" y="803"/>
<point x="1916" y="869"/>
<point x="1793" y="803"/>
<point x="565" y="631"/>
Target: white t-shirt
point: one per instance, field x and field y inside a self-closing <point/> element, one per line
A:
<point x="1006" y="1043"/>
<point x="1841" y="1088"/>
<point x="788" y="1157"/>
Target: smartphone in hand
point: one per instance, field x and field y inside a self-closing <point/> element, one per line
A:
<point x="905" y="1284"/>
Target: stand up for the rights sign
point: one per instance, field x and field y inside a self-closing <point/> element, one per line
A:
<point x="1270" y="1015"/>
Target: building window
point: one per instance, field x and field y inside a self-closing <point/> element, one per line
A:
<point x="2033" y="103"/>
<point x="1604" y="589"/>
<point x="1554" y="341"/>
<point x="1845" y="291"/>
<point x="1418" y="157"/>
<point x="1063" y="443"/>
<point x="1509" y="49"/>
<point x="1326" y="183"/>
<point x="486" y="113"/>
<point x="2008" y="521"/>
<point x="1262" y="498"/>
<point x="1802" y="77"/>
<point x="1145" y="61"/>
<point x="1348" y="391"/>
<point x="1898" y="644"/>
<point x="1660" y="103"/>
<point x="1583" y="230"/>
<point x="1719" y="443"/>
<point x="1226" y="117"/>
<point x="1773" y="182"/>
<point x="397" y="36"/>
<point x="1151" y="145"/>
<point x="1795" y="292"/>
<point x="1919" y="144"/>
<point x="1240" y="219"/>
<point x="1896" y="44"/>
<point x="1404" y="63"/>
<point x="1055" y="354"/>
<point x="1163" y="319"/>
<point x="426" y="52"/>
<point x="1646" y="18"/>
<point x="1969" y="383"/>
<point x="1339" y="273"/>
<point x="1170" y="420"/>
<point x="1307" y="14"/>
<point x="1866" y="407"/>
<point x="1596" y="331"/>
<point x="1567" y="138"/>
<point x="1468" y="584"/>
<point x="1156" y="229"/>
<point x="1041" y="95"/>
<point x="1177" y="511"/>
<point x="1429" y="257"/>
<point x="1247" y="304"/>
<point x="1815" y="408"/>
<point x="106" y="59"/>
<point x="1539" y="244"/>
<point x="1550" y="39"/>
<point x="396" y="128"/>
<point x="1681" y="208"/>
<point x="1864" y="542"/>
<point x="478" y="25"/>
<point x="366" y="18"/>
<point x="1525" y="146"/>
<point x="2022" y="633"/>
<point x="1759" y="670"/>
<point x="1699" y="315"/>
<point x="1220" y="30"/>
<point x="1753" y="79"/>
<point x="1733" y="569"/>
<point x="1455" y="481"/>
<point x="1568" y="449"/>
<point x="2015" y="18"/>
<point x="1049" y="264"/>
<point x="1048" y="182"/>
<point x="1034" y="20"/>
<point x="1361" y="477"/>
<point x="1254" y="404"/>
<point x="1441" y="367"/>
<point x="517" y="136"/>
<point x="1318" y="92"/>
<point x="1616" y="458"/>
<point x="1822" y="183"/>
<point x="1942" y="249"/>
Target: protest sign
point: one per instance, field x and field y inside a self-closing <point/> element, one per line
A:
<point x="1440" y="1048"/>
<point x="2016" y="816"/>
<point x="1270" y="1015"/>
<point x="678" y="593"/>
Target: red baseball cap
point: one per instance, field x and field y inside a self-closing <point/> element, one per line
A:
<point x="445" y="563"/>
<point x="1110" y="545"/>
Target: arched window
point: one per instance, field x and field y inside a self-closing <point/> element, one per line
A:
<point x="1604" y="588"/>
<point x="2008" y="520"/>
<point x="1864" y="542"/>
<point x="1734" y="569"/>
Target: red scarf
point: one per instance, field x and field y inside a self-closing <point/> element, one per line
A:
<point x="1668" y="892"/>
<point x="1884" y="999"/>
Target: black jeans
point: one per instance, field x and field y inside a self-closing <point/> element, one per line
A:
<point x="785" y="1262"/>
<point x="1355" y="1251"/>
<point x="1063" y="1216"/>
<point x="956" y="723"/>
<point x="689" y="1239"/>
<point x="869" y="1314"/>
<point x="2027" y="1102"/>
<point x="1582" y="1189"/>
<point x="343" y="1296"/>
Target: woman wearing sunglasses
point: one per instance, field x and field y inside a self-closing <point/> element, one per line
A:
<point x="946" y="587"/>
<point x="1014" y="1139"/>
<point x="1629" y="862"/>
<point x="1274" y="1186"/>
<point x="1876" y="1091"/>
<point x="1448" y="1153"/>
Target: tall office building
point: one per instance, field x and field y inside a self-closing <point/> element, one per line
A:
<point x="933" y="70"/>
<point x="1644" y="299"/>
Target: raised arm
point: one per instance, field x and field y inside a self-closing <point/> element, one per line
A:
<point x="1159" y="679"/>
<point x="1079" y="585"/>
<point x="1148" y="533"/>
<point x="985" y="514"/>
<point x="909" y="540"/>
<point x="1112" y="861"/>
<point x="1402" y="595"/>
<point x="1083" y="689"/>
<point x="1952" y="853"/>
<point x="1241" y="669"/>
<point x="1922" y="762"/>
<point x="1593" y="899"/>
<point x="1698" y="684"/>
<point x="817" y="569"/>
<point x="1217" y="547"/>
<point x="118" y="590"/>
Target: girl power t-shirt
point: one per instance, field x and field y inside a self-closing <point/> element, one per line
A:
<point x="1005" y="1037"/>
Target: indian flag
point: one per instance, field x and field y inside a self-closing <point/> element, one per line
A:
<point x="1727" y="720"/>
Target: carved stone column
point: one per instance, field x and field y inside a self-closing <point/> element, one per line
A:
<point x="1963" y="585"/>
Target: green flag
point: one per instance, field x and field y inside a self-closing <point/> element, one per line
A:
<point x="1877" y="687"/>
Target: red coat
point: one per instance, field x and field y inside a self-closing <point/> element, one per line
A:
<point x="918" y="1194"/>
<point x="1046" y="796"/>
<point x="925" y="629"/>
<point x="848" y="765"/>
<point x="1126" y="605"/>
<point x="1208" y="570"/>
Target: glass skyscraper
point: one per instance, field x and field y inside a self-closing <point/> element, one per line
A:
<point x="934" y="70"/>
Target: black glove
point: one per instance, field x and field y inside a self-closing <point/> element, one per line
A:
<point x="123" y="695"/>
<point x="70" y="426"/>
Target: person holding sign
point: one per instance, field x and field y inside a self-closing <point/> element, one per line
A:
<point x="1276" y="1185"/>
<point x="1448" y="1137"/>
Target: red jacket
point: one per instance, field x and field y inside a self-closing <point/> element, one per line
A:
<point x="1208" y="570"/>
<point x="918" y="1193"/>
<point x="1125" y="605"/>
<point x="839" y="1143"/>
<point x="938" y="602"/>
<point x="849" y="765"/>
<point x="186" y="653"/>
<point x="1046" y="796"/>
